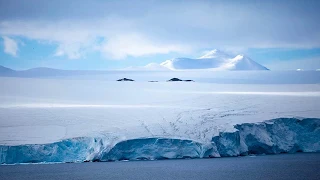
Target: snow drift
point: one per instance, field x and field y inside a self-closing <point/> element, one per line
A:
<point x="284" y="135"/>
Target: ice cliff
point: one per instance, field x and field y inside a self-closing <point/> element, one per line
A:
<point x="283" y="135"/>
<point x="158" y="148"/>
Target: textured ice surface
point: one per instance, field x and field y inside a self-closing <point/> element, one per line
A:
<point x="158" y="148"/>
<point x="38" y="111"/>
<point x="68" y="150"/>
<point x="284" y="135"/>
<point x="51" y="111"/>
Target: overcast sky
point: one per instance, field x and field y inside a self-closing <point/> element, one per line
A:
<point x="98" y="34"/>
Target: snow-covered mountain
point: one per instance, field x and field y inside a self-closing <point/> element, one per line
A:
<point x="5" y="70"/>
<point x="215" y="60"/>
<point x="241" y="62"/>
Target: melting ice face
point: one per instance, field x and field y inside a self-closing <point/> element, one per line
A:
<point x="286" y="135"/>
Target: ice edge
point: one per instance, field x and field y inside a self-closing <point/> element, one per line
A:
<point x="282" y="135"/>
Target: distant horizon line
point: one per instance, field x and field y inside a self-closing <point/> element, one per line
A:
<point x="123" y="69"/>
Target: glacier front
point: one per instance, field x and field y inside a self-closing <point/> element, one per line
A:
<point x="283" y="135"/>
<point x="96" y="118"/>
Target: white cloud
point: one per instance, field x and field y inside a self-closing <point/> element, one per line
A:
<point x="159" y="27"/>
<point x="76" y="39"/>
<point x="71" y="50"/>
<point x="121" y="46"/>
<point x="10" y="46"/>
<point x="71" y="38"/>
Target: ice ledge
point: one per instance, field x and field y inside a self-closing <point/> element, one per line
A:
<point x="283" y="135"/>
<point x="159" y="148"/>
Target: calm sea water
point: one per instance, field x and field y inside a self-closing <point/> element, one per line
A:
<point x="284" y="166"/>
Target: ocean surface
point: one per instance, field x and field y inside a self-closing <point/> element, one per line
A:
<point x="283" y="166"/>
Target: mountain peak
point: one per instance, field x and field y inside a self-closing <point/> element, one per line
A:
<point x="214" y="60"/>
<point x="213" y="54"/>
<point x="5" y="70"/>
<point x="242" y="62"/>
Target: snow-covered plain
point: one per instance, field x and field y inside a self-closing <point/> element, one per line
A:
<point x="88" y="117"/>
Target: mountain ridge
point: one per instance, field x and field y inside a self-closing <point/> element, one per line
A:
<point x="214" y="60"/>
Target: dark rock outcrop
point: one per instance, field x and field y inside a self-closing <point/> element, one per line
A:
<point x="177" y="79"/>
<point x="174" y="79"/>
<point x="125" y="79"/>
